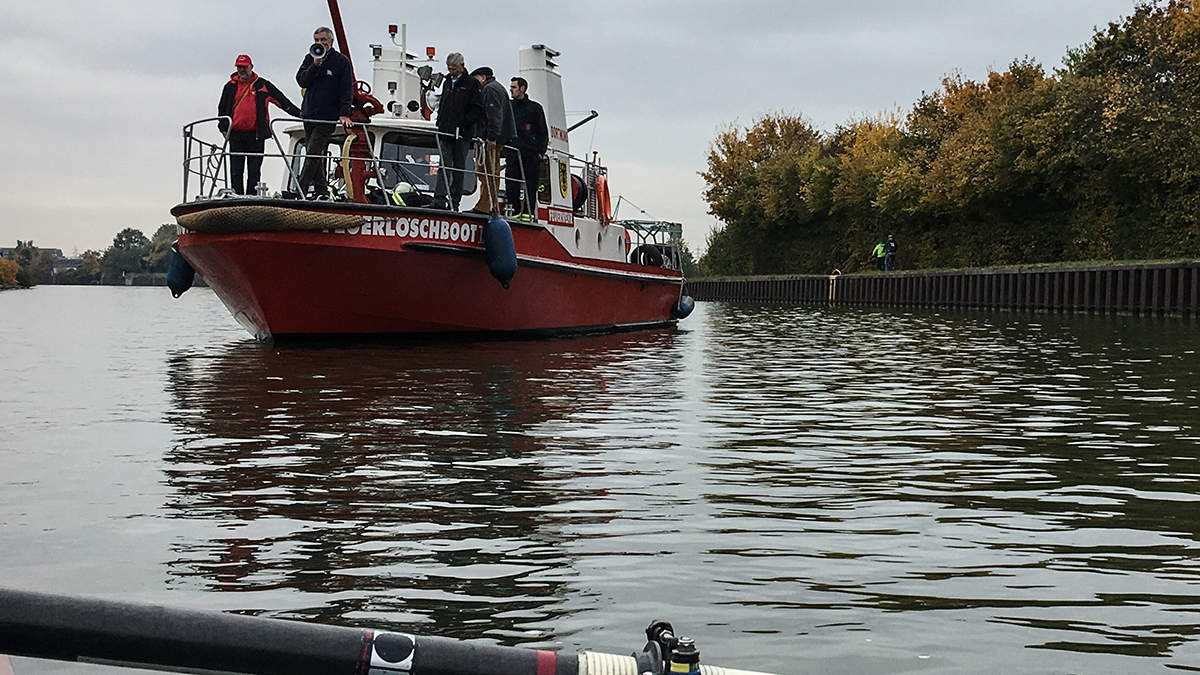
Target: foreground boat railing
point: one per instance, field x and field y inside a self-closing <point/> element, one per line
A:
<point x="146" y="636"/>
<point x="202" y="158"/>
<point x="207" y="161"/>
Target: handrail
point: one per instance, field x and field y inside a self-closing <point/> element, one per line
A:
<point x="571" y="158"/>
<point x="188" y="138"/>
<point x="207" y="160"/>
<point x="373" y="158"/>
<point x="291" y="173"/>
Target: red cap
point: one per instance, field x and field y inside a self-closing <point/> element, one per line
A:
<point x="243" y="60"/>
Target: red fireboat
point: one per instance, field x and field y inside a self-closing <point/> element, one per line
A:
<point x="366" y="260"/>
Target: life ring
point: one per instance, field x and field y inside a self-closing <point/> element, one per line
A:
<point x="602" y="199"/>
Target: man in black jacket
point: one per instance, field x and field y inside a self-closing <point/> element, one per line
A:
<point x="532" y="139"/>
<point x="328" y="85"/>
<point x="459" y="111"/>
<point x="244" y="101"/>
<point x="889" y="253"/>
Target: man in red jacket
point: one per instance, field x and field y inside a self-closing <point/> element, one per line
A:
<point x="244" y="99"/>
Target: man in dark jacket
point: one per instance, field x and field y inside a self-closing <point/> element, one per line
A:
<point x="498" y="130"/>
<point x="328" y="85"/>
<point x="532" y="139"/>
<point x="889" y="251"/>
<point x="459" y="112"/>
<point x="244" y="100"/>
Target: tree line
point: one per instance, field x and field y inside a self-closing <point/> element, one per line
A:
<point x="131" y="252"/>
<point x="1096" y="161"/>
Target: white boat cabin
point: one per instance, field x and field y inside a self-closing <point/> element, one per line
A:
<point x="403" y="140"/>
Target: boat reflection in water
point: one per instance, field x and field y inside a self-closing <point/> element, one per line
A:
<point x="399" y="486"/>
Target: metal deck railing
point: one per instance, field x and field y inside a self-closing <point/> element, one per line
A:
<point x="206" y="165"/>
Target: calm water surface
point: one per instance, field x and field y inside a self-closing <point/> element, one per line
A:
<point x="801" y="489"/>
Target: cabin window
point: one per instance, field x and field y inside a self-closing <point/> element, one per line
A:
<point x="334" y="152"/>
<point x="298" y="156"/>
<point x="414" y="158"/>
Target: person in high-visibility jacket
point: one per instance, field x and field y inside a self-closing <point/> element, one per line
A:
<point x="879" y="255"/>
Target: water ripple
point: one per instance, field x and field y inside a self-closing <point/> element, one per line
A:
<point x="800" y="488"/>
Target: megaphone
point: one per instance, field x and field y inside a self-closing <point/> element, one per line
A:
<point x="318" y="50"/>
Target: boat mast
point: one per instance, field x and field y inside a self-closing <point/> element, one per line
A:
<point x="362" y="108"/>
<point x="335" y="15"/>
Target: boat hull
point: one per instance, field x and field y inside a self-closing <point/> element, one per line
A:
<point x="419" y="272"/>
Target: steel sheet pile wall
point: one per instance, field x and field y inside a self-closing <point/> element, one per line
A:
<point x="1151" y="288"/>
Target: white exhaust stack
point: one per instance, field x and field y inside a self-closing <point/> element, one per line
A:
<point x="545" y="87"/>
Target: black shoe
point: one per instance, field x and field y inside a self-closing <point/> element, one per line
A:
<point x="440" y="205"/>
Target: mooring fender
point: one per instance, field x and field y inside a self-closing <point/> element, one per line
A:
<point x="180" y="274"/>
<point x="501" y="253"/>
<point x="684" y="307"/>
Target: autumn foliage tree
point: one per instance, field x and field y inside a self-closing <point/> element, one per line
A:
<point x="8" y="273"/>
<point x="1097" y="160"/>
<point x="756" y="181"/>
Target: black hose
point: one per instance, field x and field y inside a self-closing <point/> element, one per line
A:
<point x="67" y="628"/>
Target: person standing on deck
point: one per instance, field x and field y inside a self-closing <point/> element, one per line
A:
<point x="459" y="112"/>
<point x="498" y="130"/>
<point x="877" y="256"/>
<point x="244" y="101"/>
<point x="328" y="85"/>
<point x="531" y="142"/>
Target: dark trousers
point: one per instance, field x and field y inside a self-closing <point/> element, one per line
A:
<point x="452" y="170"/>
<point x="316" y="149"/>
<point x="244" y="141"/>
<point x="521" y="187"/>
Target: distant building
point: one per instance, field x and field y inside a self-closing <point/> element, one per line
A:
<point x="11" y="252"/>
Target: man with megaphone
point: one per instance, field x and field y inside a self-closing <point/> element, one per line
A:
<point x="326" y="78"/>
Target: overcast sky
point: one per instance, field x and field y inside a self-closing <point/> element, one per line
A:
<point x="96" y="93"/>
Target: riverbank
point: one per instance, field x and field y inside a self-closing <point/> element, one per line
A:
<point x="139" y="279"/>
<point x="1169" y="287"/>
